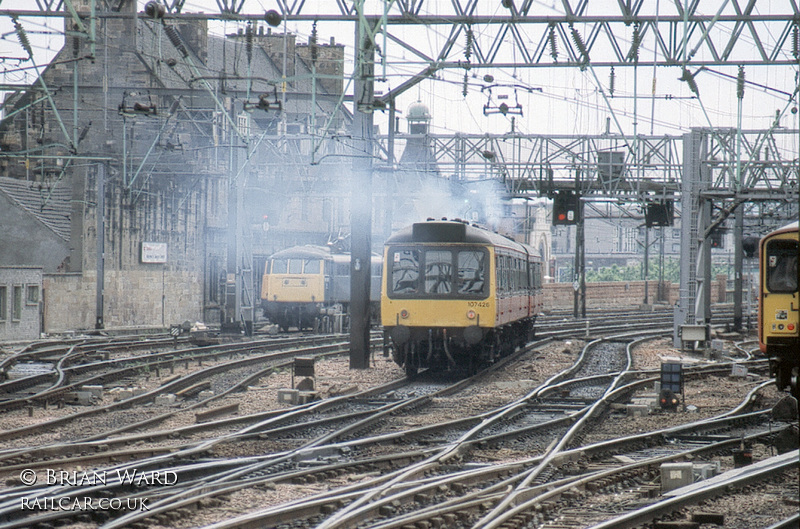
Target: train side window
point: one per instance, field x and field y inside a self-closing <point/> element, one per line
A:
<point x="498" y="264"/>
<point x="295" y="266"/>
<point x="438" y="271"/>
<point x="782" y="266"/>
<point x="516" y="281"/>
<point x="502" y="273"/>
<point x="311" y="266"/>
<point x="342" y="269"/>
<point x="471" y="272"/>
<point x="279" y="266"/>
<point x="3" y="303"/>
<point x="405" y="271"/>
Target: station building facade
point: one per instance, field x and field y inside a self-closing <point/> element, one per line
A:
<point x="153" y="128"/>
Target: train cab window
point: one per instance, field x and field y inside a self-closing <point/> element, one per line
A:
<point x="295" y="266"/>
<point x="471" y="272"/>
<point x="279" y="266"/>
<point x="404" y="271"/>
<point x="342" y="269"/>
<point x="782" y="266"/>
<point x="312" y="266"/>
<point x="438" y="271"/>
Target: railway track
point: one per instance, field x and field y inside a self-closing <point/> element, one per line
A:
<point x="364" y="438"/>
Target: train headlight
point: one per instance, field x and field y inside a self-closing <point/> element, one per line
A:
<point x="404" y="314"/>
<point x="470" y="314"/>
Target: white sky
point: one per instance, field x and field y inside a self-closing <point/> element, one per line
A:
<point x="569" y="102"/>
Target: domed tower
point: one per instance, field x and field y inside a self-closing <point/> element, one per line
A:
<point x="418" y="155"/>
<point x="419" y="118"/>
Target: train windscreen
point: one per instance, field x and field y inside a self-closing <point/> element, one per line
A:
<point x="781" y="266"/>
<point x="438" y="272"/>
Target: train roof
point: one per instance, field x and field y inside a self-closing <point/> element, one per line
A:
<point x="311" y="251"/>
<point x="784" y="229"/>
<point x="454" y="231"/>
<point x="308" y="251"/>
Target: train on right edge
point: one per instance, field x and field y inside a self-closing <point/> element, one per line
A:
<point x="779" y="306"/>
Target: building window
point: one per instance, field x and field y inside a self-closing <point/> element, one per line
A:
<point x="16" y="309"/>
<point x="32" y="295"/>
<point x="243" y="123"/>
<point x="3" y="303"/>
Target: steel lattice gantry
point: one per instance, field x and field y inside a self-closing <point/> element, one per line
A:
<point x="712" y="173"/>
<point x="707" y="167"/>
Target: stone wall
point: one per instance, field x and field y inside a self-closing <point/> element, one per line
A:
<point x="132" y="298"/>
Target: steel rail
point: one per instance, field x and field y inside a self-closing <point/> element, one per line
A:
<point x="709" y="488"/>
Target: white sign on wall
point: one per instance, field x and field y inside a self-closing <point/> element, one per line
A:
<point x="154" y="252"/>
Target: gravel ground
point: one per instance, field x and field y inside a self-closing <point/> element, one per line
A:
<point x="334" y="377"/>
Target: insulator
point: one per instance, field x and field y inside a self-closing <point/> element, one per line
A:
<point x="689" y="78"/>
<point x="464" y="87"/>
<point x="313" y="42"/>
<point x="693" y="86"/>
<point x="76" y="46"/>
<point x="23" y="38"/>
<point x="611" y="79"/>
<point x="468" y="47"/>
<point x="740" y="83"/>
<point x="175" y="38"/>
<point x="553" y="47"/>
<point x="796" y="41"/>
<point x="576" y="37"/>
<point x="637" y="40"/>
<point x="248" y="37"/>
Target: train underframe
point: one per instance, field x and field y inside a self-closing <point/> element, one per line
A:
<point x="317" y="317"/>
<point x="459" y="350"/>
<point x="288" y="315"/>
<point x="784" y="365"/>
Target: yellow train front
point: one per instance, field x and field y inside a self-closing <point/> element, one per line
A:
<point x="455" y="296"/>
<point x="778" y="307"/>
<point x="308" y="287"/>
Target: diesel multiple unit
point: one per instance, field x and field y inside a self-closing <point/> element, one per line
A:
<point x="778" y="320"/>
<point x="456" y="296"/>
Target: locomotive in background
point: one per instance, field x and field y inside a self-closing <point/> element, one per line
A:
<point x="779" y="306"/>
<point x="456" y="296"/>
<point x="308" y="287"/>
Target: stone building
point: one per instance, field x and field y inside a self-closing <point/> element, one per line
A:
<point x="164" y="137"/>
<point x="20" y="303"/>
